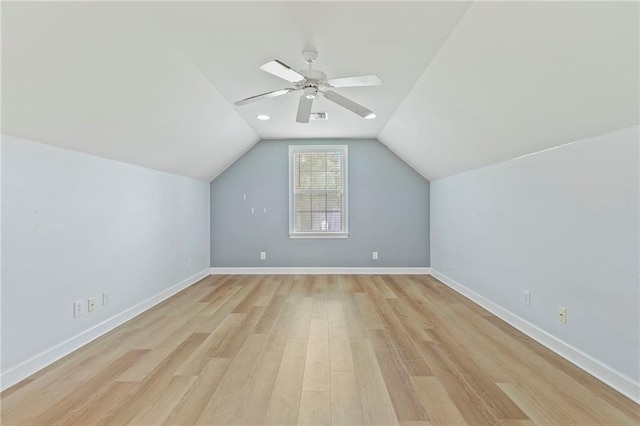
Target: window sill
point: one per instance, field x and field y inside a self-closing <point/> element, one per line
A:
<point x="320" y="235"/>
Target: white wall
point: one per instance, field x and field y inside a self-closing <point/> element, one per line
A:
<point x="73" y="226"/>
<point x="563" y="224"/>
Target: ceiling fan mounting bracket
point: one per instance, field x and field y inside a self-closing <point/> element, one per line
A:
<point x="309" y="56"/>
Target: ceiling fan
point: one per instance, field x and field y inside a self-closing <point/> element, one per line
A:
<point x="312" y="82"/>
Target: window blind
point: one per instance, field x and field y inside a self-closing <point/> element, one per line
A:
<point x="318" y="193"/>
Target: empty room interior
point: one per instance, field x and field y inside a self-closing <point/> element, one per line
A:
<point x="320" y="213"/>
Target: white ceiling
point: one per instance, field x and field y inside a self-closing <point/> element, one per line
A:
<point x="519" y="77"/>
<point x="154" y="83"/>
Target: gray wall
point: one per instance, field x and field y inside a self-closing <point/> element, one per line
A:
<point x="562" y="224"/>
<point x="388" y="212"/>
<point x="73" y="226"/>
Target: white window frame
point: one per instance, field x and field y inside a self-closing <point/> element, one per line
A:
<point x="345" y="185"/>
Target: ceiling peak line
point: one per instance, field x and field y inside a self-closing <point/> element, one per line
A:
<point x="433" y="58"/>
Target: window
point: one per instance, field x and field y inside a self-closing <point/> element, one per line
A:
<point x="318" y="191"/>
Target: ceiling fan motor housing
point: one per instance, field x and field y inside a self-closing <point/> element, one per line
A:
<point x="313" y="75"/>
<point x="313" y="80"/>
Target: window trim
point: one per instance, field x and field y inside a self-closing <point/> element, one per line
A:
<point x="345" y="190"/>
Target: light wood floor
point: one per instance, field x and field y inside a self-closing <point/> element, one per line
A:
<point x="283" y="349"/>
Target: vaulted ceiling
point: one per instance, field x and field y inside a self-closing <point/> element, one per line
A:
<point x="465" y="84"/>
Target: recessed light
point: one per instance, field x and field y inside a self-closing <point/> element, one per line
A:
<point x="263" y="117"/>
<point x="370" y="116"/>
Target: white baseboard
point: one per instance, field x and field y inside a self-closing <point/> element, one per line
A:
<point x="320" y="271"/>
<point x="49" y="356"/>
<point x="618" y="381"/>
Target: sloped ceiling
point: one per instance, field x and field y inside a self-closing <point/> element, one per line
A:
<point x="518" y="77"/>
<point x="466" y="85"/>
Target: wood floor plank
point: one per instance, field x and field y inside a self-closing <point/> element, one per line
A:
<point x="200" y="357"/>
<point x="383" y="288"/>
<point x="467" y="400"/>
<point x="93" y="387"/>
<point x="227" y="402"/>
<point x="301" y="318"/>
<point x="315" y="409"/>
<point x="251" y="298"/>
<point x="315" y="349"/>
<point x="316" y="370"/>
<point x="219" y="297"/>
<point x="156" y="411"/>
<point x="400" y="340"/>
<point x="405" y="400"/>
<point x="368" y="311"/>
<point x="285" y="287"/>
<point x="541" y="412"/>
<point x="19" y="411"/>
<point x="271" y="312"/>
<point x="414" y="305"/>
<point x="226" y="308"/>
<point x="222" y="285"/>
<point x="340" y="357"/>
<point x="261" y="387"/>
<point x="268" y="289"/>
<point x="500" y="404"/>
<point x="189" y="409"/>
<point x="319" y="328"/>
<point x="377" y="407"/>
<point x="154" y="385"/>
<point x="237" y="336"/>
<point x="280" y="329"/>
<point x="284" y="405"/>
<point x="440" y="408"/>
<point x="319" y="308"/>
<point x="356" y="325"/>
<point x="157" y="356"/>
<point x="98" y="408"/>
<point x="346" y="405"/>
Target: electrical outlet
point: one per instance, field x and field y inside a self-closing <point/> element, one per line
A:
<point x="77" y="308"/>
<point x="91" y="304"/>
<point x="189" y="263"/>
<point x="526" y="298"/>
<point x="263" y="255"/>
<point x="375" y="255"/>
<point x="105" y="298"/>
<point x="562" y="314"/>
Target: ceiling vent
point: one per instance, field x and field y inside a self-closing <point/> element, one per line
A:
<point x="319" y="116"/>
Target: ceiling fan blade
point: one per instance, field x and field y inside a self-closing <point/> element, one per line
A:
<point x="264" y="96"/>
<point x="357" y="81"/>
<point x="282" y="70"/>
<point x="349" y="104"/>
<point x="304" y="109"/>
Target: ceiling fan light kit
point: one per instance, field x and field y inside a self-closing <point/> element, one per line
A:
<point x="310" y="92"/>
<point x="312" y="82"/>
